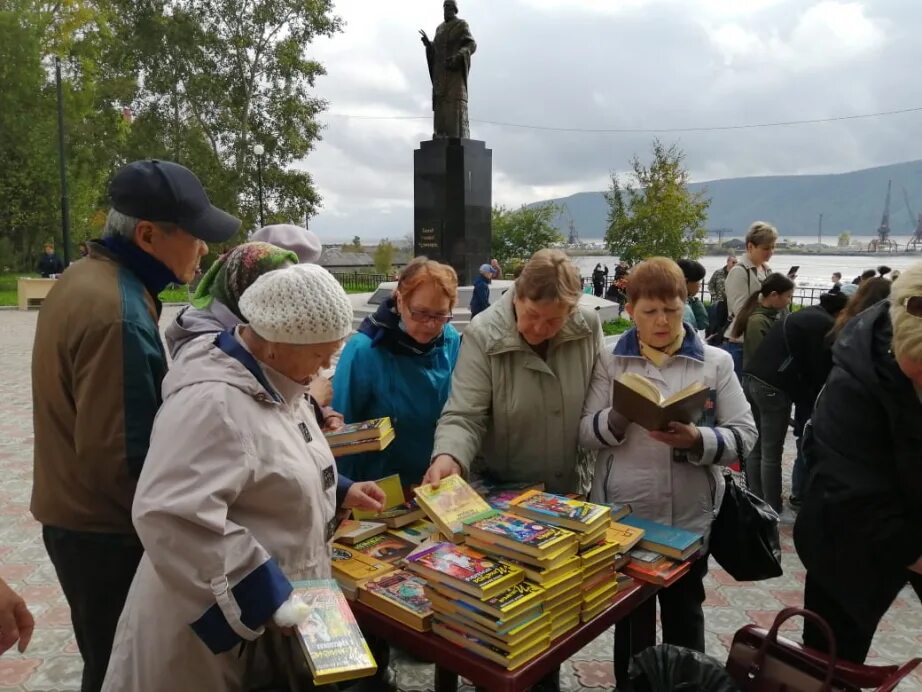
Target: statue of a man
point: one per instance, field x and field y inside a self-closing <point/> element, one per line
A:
<point x="449" y="58"/>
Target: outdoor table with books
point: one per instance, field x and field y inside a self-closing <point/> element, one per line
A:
<point x="633" y="605"/>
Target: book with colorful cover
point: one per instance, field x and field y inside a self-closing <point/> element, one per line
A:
<point x="385" y="547"/>
<point x="351" y="531"/>
<point x="466" y="640"/>
<point x="418" y="532"/>
<point x="504" y="605"/>
<point x="618" y="510"/>
<point x="464" y="569"/>
<point x="513" y="641"/>
<point x="450" y="504"/>
<point x="330" y="638"/>
<point x="400" y="595"/>
<point x="541" y="576"/>
<point x="487" y="485"/>
<point x="500" y="499"/>
<point x="518" y="533"/>
<point x="664" y="574"/>
<point x="670" y="541"/>
<point x="576" y="515"/>
<point x="625" y="536"/>
<point x="351" y="567"/>
<point x="365" y="430"/>
<point x="544" y="562"/>
<point x="361" y="446"/>
<point x="446" y="601"/>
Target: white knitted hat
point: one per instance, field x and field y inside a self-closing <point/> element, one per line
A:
<point x="301" y="304"/>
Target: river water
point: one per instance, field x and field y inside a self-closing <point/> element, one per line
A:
<point x="815" y="270"/>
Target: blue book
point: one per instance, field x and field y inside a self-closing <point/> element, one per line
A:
<point x="670" y="541"/>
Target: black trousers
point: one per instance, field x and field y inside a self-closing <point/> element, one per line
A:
<point x="681" y="613"/>
<point x="95" y="571"/>
<point x="853" y="638"/>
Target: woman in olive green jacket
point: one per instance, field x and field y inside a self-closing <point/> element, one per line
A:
<point x="519" y="384"/>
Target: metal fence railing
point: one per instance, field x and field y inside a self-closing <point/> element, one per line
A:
<point x="360" y="281"/>
<point x="803" y="295"/>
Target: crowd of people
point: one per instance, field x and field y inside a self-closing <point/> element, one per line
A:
<point x="180" y="496"/>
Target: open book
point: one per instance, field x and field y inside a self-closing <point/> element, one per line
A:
<point x="640" y="401"/>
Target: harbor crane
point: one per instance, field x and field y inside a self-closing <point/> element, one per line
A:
<point x="883" y="243"/>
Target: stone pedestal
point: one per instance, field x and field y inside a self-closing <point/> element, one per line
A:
<point x="453" y="195"/>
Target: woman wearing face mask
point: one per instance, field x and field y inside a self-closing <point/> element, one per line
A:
<point x="400" y="365"/>
<point x="745" y="279"/>
<point x="771" y="406"/>
<point x="670" y="476"/>
<point x="237" y="497"/>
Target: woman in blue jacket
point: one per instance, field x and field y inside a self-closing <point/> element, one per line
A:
<point x="400" y="365"/>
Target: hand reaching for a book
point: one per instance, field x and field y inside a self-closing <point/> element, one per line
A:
<point x="442" y="466"/>
<point x="679" y="436"/>
<point x="365" y="495"/>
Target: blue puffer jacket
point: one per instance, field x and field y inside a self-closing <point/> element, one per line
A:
<point x="372" y="380"/>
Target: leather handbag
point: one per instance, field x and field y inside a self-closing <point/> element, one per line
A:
<point x="761" y="661"/>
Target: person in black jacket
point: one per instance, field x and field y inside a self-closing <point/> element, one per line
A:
<point x="859" y="532"/>
<point x="795" y="357"/>
<point x="49" y="263"/>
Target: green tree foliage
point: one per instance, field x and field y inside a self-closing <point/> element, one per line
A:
<point x="845" y="239"/>
<point x="384" y="256"/>
<point x="654" y="214"/>
<point x="354" y="246"/>
<point x="519" y="233"/>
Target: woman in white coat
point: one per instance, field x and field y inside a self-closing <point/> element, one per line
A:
<point x="671" y="476"/>
<point x="238" y="493"/>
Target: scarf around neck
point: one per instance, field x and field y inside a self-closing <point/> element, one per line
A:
<point x="658" y="356"/>
<point x="384" y="329"/>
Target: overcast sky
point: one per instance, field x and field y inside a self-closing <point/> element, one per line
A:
<point x="613" y="64"/>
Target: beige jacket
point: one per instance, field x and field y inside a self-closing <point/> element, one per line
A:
<point x="237" y="498"/>
<point x="517" y="411"/>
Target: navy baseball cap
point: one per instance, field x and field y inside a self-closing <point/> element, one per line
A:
<point x="165" y="191"/>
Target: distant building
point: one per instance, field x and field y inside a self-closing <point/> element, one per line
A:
<point x="734" y="244"/>
<point x="335" y="260"/>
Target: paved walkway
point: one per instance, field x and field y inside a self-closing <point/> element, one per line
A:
<point x="52" y="661"/>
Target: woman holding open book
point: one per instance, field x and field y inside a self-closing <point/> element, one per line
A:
<point x="237" y="497"/>
<point x="670" y="472"/>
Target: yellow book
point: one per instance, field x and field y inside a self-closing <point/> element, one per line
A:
<point x="549" y="561"/>
<point x="562" y="585"/>
<point x="626" y="536"/>
<point x="543" y="576"/>
<point x="461" y="608"/>
<point x="601" y="606"/>
<point x="602" y="553"/>
<point x="352" y="567"/>
<point x="468" y="641"/>
<point x="450" y="504"/>
<point x="401" y="596"/>
<point x="518" y="533"/>
<point x="361" y="446"/>
<point x="560" y="628"/>
<point x="464" y="569"/>
<point x="511" y="641"/>
<point x="576" y="515"/>
<point x="393" y="497"/>
<point x="504" y="605"/>
<point x="604" y="591"/>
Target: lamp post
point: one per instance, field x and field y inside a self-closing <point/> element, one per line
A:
<point x="62" y="166"/>
<point x="259" y="150"/>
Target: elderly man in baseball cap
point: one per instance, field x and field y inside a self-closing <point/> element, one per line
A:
<point x="97" y="367"/>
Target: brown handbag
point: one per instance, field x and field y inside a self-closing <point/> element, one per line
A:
<point x="761" y="661"/>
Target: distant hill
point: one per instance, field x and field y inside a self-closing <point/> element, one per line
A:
<point x="848" y="201"/>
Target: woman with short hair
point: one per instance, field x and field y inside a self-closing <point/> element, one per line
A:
<point x="399" y="365"/>
<point x="671" y="476"/>
<point x="518" y="387"/>
<point x="859" y="532"/>
<point x="745" y="279"/>
<point x="238" y="495"/>
<point x="695" y="313"/>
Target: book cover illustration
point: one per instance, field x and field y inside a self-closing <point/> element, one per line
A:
<point x="452" y="502"/>
<point x="404" y="589"/>
<point x="560" y="507"/>
<point x="385" y="547"/>
<point x="418" y="532"/>
<point x="366" y="429"/>
<point x="518" y="529"/>
<point x="500" y="499"/>
<point x="463" y="564"/>
<point x="330" y="636"/>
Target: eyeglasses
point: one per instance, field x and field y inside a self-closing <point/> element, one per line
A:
<point x="913" y="305"/>
<point x="431" y="317"/>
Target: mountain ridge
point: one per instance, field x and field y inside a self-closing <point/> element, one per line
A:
<point x="851" y="201"/>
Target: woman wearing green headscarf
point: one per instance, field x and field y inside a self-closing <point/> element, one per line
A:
<point x="214" y="306"/>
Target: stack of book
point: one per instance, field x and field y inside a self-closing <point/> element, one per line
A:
<point x="589" y="521"/>
<point x="663" y="554"/>
<point x="365" y="436"/>
<point x="449" y="504"/>
<point x="600" y="584"/>
<point x="330" y="638"/>
<point x="352" y="568"/>
<point x="399" y="595"/>
<point x="396" y="513"/>
<point x="483" y="605"/>
<point x="352" y="531"/>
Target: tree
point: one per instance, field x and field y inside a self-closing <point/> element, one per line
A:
<point x="354" y="246"/>
<point x="654" y="214"/>
<point x="845" y="239"/>
<point x="520" y="233"/>
<point x="384" y="256"/>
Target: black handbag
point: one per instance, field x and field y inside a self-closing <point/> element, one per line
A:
<point x="745" y="539"/>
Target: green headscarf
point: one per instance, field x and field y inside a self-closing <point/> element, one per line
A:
<point x="234" y="271"/>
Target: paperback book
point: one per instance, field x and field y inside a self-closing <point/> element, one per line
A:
<point x="464" y="569"/>
<point x="517" y="533"/>
<point x="576" y="515"/>
<point x="385" y="547"/>
<point x="364" y="436"/>
<point x="351" y="567"/>
<point x="352" y="531"/>
<point x="670" y="541"/>
<point x="450" y="504"/>
<point x="401" y="596"/>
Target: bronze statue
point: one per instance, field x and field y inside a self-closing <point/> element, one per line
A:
<point x="449" y="58"/>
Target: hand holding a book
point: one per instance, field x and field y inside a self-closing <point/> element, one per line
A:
<point x="443" y="466"/>
<point x="679" y="436"/>
<point x="365" y="495"/>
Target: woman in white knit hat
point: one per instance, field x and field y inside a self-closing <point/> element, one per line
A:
<point x="238" y="493"/>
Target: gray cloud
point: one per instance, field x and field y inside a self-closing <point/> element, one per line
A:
<point x="598" y="64"/>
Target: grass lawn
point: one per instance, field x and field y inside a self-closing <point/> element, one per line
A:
<point x="178" y="294"/>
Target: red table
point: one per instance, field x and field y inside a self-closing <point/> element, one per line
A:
<point x="634" y="606"/>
